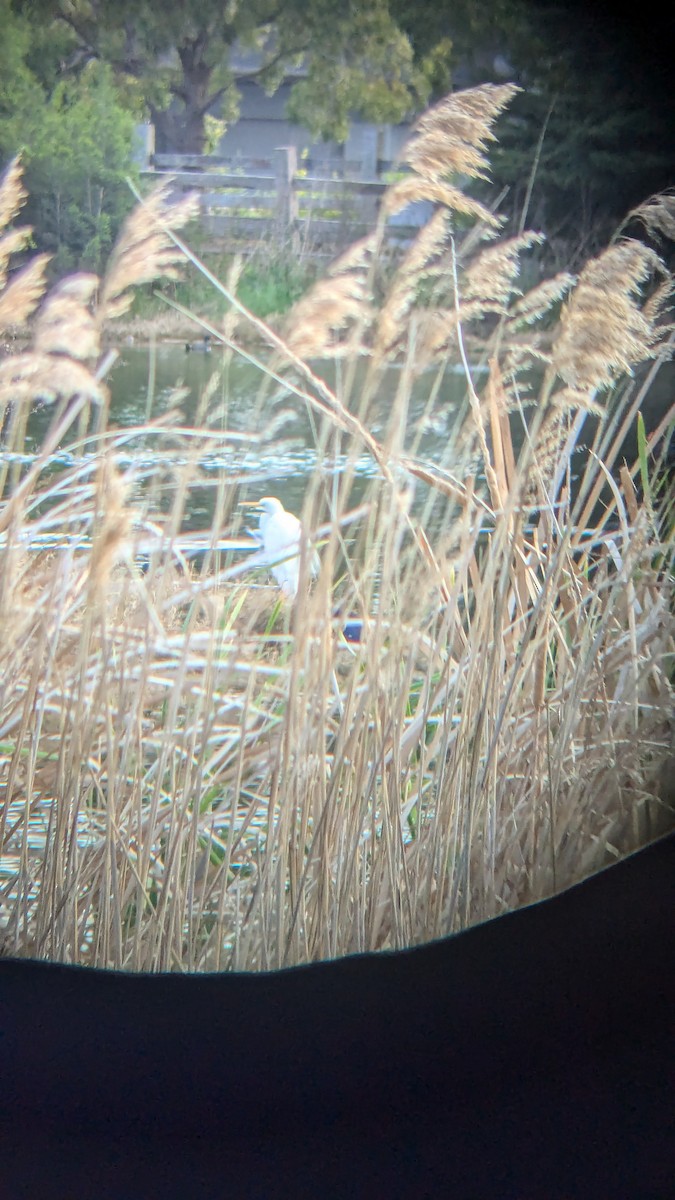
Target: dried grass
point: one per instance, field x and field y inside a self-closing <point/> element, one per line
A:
<point x="451" y="136"/>
<point x="332" y="306"/>
<point x="19" y="296"/>
<point x="604" y="331"/>
<point x="190" y="782"/>
<point x="145" y="250"/>
<point x="492" y="274"/>
<point x="657" y="215"/>
<point x="13" y="194"/>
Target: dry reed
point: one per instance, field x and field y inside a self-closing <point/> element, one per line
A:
<point x="188" y="783"/>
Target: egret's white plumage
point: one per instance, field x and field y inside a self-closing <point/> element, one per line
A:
<point x="280" y="534"/>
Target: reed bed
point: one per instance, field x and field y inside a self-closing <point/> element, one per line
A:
<point x="197" y="776"/>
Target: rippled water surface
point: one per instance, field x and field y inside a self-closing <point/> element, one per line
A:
<point x="276" y="441"/>
<point x="274" y="437"/>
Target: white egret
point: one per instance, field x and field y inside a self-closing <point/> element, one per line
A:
<point x="280" y="535"/>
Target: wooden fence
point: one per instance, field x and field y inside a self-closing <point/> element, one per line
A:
<point x="274" y="197"/>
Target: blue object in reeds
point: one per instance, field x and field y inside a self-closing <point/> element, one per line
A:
<point x="352" y="630"/>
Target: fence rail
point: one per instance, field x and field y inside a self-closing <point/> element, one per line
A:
<point x="263" y="196"/>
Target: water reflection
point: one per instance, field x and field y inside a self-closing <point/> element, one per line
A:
<point x="265" y="439"/>
<point x="271" y="441"/>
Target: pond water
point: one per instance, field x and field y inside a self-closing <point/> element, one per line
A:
<point x="276" y="440"/>
<point x="273" y="447"/>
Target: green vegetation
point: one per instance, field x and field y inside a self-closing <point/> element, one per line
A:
<point x="272" y="277"/>
<point x="587" y="139"/>
<point x="76" y="143"/>
<point x="590" y="135"/>
<point x="196" y="775"/>
<point x="177" y="58"/>
<point x="272" y="284"/>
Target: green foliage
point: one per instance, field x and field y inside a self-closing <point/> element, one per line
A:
<point x="596" y="160"/>
<point x="642" y="457"/>
<point x="214" y="128"/>
<point x="19" y="89"/>
<point x="272" y="280"/>
<point x="75" y="140"/>
<point x="77" y="156"/>
<point x="362" y="63"/>
<point x="602" y="112"/>
<point x="178" y="58"/>
<point x="274" y="287"/>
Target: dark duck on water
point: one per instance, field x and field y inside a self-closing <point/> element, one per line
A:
<point x="201" y="347"/>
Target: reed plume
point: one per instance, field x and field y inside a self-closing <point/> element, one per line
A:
<point x="144" y="250"/>
<point x="20" y="296"/>
<point x="492" y="274"/>
<point x="657" y="215"/>
<point x="331" y="307"/>
<point x="13" y="194"/>
<point x="604" y="329"/>
<point x="66" y="323"/>
<point x="450" y="138"/>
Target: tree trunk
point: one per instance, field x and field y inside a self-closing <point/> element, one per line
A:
<point x="179" y="129"/>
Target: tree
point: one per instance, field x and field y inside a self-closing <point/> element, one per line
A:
<point x="75" y="141"/>
<point x="178" y="57"/>
<point x="594" y="122"/>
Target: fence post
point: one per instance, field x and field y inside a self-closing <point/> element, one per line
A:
<point x="285" y="167"/>
<point x="369" y="140"/>
<point x="143" y="145"/>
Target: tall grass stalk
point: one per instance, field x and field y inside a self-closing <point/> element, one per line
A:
<point x="195" y="776"/>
